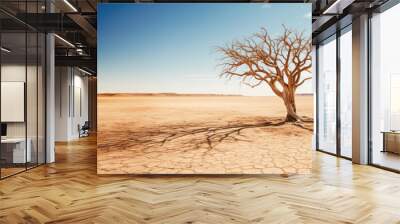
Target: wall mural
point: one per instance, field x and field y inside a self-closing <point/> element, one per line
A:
<point x="204" y="88"/>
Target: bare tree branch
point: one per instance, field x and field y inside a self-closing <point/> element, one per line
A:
<point x="282" y="63"/>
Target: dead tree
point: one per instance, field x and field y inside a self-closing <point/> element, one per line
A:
<point x="282" y="63"/>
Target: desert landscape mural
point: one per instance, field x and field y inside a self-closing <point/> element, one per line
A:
<point x="236" y="102"/>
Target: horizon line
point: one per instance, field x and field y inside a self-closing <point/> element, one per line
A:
<point x="174" y="93"/>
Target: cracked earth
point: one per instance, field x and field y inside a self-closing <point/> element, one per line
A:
<point x="201" y="135"/>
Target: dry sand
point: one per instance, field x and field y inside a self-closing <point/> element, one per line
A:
<point x="201" y="134"/>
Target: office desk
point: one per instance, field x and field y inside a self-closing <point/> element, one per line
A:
<point x="391" y="141"/>
<point x="16" y="147"/>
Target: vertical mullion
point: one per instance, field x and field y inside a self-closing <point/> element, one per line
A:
<point x="37" y="89"/>
<point x="60" y="88"/>
<point x="338" y="94"/>
<point x="73" y="93"/>
<point x="47" y="5"/>
<point x="80" y="102"/>
<point x="69" y="92"/>
<point x="317" y="96"/>
<point x="45" y="92"/>
<point x="26" y="86"/>
<point x="369" y="89"/>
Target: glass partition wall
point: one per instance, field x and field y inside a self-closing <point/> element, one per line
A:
<point x="22" y="98"/>
<point x="385" y="90"/>
<point x="334" y="93"/>
<point x="13" y="123"/>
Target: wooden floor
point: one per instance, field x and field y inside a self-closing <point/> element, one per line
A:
<point x="69" y="191"/>
<point x="387" y="159"/>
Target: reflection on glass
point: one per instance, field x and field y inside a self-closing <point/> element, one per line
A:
<point x="41" y="98"/>
<point x="14" y="153"/>
<point x="31" y="101"/>
<point x="22" y="91"/>
<point x="394" y="102"/>
<point x="346" y="94"/>
<point x="327" y="96"/>
<point x="385" y="84"/>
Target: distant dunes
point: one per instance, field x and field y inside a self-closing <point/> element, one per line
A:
<point x="164" y="94"/>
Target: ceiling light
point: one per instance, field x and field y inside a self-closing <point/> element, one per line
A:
<point x="65" y="41"/>
<point x="79" y="51"/>
<point x="70" y="5"/>
<point x="5" y="50"/>
<point x="337" y="7"/>
<point x="84" y="71"/>
<point x="328" y="10"/>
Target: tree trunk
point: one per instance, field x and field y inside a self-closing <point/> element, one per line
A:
<point x="290" y="104"/>
<point x="291" y="115"/>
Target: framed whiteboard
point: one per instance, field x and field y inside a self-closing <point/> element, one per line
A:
<point x="12" y="101"/>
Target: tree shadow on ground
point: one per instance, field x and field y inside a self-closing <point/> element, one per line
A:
<point x="191" y="136"/>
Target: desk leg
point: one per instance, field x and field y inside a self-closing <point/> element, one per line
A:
<point x="384" y="142"/>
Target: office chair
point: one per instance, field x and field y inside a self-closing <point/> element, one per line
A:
<point x="84" y="130"/>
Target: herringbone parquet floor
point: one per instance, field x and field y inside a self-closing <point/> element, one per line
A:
<point x="69" y="191"/>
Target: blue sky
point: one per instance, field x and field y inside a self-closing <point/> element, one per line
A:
<point x="171" y="47"/>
